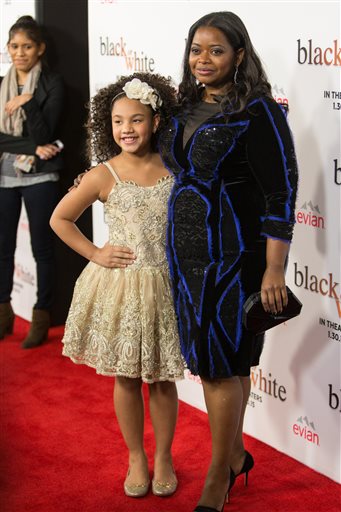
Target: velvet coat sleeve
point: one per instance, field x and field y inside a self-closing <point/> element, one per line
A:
<point x="272" y="159"/>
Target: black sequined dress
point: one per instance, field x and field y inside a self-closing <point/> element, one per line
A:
<point x="235" y="185"/>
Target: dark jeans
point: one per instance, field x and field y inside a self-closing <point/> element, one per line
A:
<point x="40" y="201"/>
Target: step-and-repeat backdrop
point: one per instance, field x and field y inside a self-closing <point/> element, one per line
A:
<point x="25" y="279"/>
<point x="295" y="400"/>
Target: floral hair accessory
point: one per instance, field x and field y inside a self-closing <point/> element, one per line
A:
<point x="137" y="90"/>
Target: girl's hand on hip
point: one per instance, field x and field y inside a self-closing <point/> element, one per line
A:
<point x="273" y="290"/>
<point x="114" y="256"/>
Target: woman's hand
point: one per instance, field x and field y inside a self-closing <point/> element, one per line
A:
<point x="47" y="151"/>
<point x="77" y="180"/>
<point x="17" y="102"/>
<point x="273" y="290"/>
<point x="113" y="256"/>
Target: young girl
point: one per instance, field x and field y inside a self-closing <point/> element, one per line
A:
<point x="121" y="321"/>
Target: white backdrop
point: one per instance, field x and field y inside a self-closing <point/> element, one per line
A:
<point x="25" y="280"/>
<point x="295" y="401"/>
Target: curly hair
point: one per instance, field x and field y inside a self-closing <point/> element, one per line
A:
<point x="100" y="142"/>
<point x="252" y="79"/>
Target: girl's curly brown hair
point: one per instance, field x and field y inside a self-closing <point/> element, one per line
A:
<point x="100" y="143"/>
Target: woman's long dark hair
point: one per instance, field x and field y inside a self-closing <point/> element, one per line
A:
<point x="252" y="81"/>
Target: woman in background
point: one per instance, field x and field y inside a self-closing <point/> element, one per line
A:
<point x="31" y="100"/>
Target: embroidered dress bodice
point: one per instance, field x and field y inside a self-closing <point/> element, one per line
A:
<point x="136" y="216"/>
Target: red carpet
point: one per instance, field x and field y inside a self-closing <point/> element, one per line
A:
<point x="61" y="450"/>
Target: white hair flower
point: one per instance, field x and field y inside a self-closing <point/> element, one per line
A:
<point x="137" y="90"/>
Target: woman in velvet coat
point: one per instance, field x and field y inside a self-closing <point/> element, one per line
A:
<point x="231" y="217"/>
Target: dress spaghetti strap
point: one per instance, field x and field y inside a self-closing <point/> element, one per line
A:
<point x="108" y="166"/>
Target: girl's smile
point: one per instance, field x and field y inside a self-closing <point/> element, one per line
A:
<point x="133" y="125"/>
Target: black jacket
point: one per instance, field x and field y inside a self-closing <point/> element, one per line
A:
<point x="43" y="114"/>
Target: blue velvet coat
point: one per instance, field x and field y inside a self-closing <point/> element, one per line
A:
<point x="235" y="185"/>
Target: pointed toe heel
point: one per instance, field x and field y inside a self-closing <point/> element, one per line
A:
<point x="205" y="509"/>
<point x="247" y="466"/>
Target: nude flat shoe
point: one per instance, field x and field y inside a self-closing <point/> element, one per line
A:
<point x="135" y="490"/>
<point x="164" y="488"/>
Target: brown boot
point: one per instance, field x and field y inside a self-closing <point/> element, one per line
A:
<point x="6" y="319"/>
<point x="39" y="329"/>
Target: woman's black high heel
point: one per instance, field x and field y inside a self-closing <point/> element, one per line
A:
<point x="201" y="508"/>
<point x="247" y="466"/>
<point x="232" y="481"/>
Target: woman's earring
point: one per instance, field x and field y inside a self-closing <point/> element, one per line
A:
<point x="197" y="82"/>
<point x="235" y="76"/>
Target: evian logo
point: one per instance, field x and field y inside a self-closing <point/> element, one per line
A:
<point x="135" y="61"/>
<point x="279" y="95"/>
<point x="310" y="215"/>
<point x="306" y="430"/>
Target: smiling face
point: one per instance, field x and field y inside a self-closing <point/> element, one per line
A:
<point x="212" y="59"/>
<point x="133" y="125"/>
<point x="24" y="52"/>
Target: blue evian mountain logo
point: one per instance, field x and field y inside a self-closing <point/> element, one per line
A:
<point x="306" y="430"/>
<point x="279" y="95"/>
<point x="310" y="215"/>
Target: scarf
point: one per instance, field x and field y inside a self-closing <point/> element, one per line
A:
<point x="13" y="125"/>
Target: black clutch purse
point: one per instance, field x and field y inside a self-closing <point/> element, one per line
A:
<point x="257" y="320"/>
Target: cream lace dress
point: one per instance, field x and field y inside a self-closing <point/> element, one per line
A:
<point x="122" y="321"/>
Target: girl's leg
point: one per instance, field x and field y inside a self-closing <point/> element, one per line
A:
<point x="129" y="409"/>
<point x="224" y="402"/>
<point x="163" y="404"/>
<point x="238" y="451"/>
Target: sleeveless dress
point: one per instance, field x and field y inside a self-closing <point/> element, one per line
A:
<point x="121" y="320"/>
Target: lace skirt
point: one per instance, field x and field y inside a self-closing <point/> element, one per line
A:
<point x="122" y="323"/>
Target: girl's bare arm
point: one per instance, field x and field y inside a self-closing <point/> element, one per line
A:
<point x="70" y="208"/>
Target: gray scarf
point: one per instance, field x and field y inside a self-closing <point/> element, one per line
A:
<point x="13" y="124"/>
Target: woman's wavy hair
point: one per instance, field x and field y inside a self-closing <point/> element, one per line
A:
<point x="252" y="81"/>
<point x="100" y="142"/>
